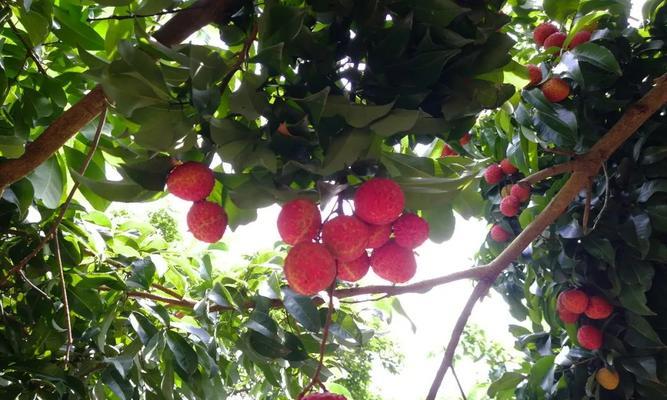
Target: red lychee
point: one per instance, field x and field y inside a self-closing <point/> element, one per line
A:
<point x="579" y="38"/>
<point x="509" y="206"/>
<point x="598" y="308"/>
<point x="324" y="396"/>
<point x="555" y="40"/>
<point x="507" y="167"/>
<point x="410" y="230"/>
<point x="465" y="139"/>
<point x="535" y="75"/>
<point x="589" y="337"/>
<point x="299" y="221"/>
<point x="309" y="268"/>
<point x="568" y="317"/>
<point x="207" y="221"/>
<point x="573" y="300"/>
<point x="394" y="263"/>
<point x="345" y="236"/>
<point x="521" y="191"/>
<point x="378" y="235"/>
<point x="499" y="234"/>
<point x="493" y="174"/>
<point x="379" y="201"/>
<point x="447" y="151"/>
<point x="191" y="181"/>
<point x="352" y="271"/>
<point x="555" y="90"/>
<point x="542" y="32"/>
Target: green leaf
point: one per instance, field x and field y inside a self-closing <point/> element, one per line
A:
<point x="644" y="368"/>
<point x="633" y="298"/>
<point x="262" y="323"/>
<point x="397" y="121"/>
<point x="641" y="326"/>
<point x="599" y="56"/>
<point x="441" y="223"/>
<point x="345" y="150"/>
<point x="437" y="12"/>
<point x="302" y="309"/>
<point x="509" y="381"/>
<point x="398" y="307"/>
<point x="601" y="249"/>
<point x="650" y="188"/>
<point x="356" y="115"/>
<point x="143" y="273"/>
<point x="125" y="191"/>
<point x="49" y="182"/>
<point x="20" y="194"/>
<point x="75" y="32"/>
<point x="559" y="10"/>
<point x="151" y="174"/>
<point x="185" y="356"/>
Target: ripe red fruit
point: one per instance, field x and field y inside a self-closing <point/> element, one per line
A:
<point x="352" y="271"/>
<point x="410" y="230"/>
<point x="573" y="300"/>
<point x="542" y="32"/>
<point x="207" y="221"/>
<point x="555" y="90"/>
<point x="378" y="235"/>
<point x="598" y="308"/>
<point x="309" y="268"/>
<point x="499" y="234"/>
<point x="346" y="237"/>
<point x="447" y="151"/>
<point x="521" y="191"/>
<point x="299" y="221"/>
<point x="394" y="263"/>
<point x="509" y="206"/>
<point x="379" y="201"/>
<point x="568" y="317"/>
<point x="535" y="74"/>
<point x="589" y="337"/>
<point x="507" y="167"/>
<point x="191" y="181"/>
<point x="324" y="396"/>
<point x="579" y="38"/>
<point x="493" y="174"/>
<point x="465" y="139"/>
<point x="555" y="40"/>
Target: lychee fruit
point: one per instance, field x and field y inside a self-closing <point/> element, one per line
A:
<point x="555" y="40"/>
<point x="465" y="139"/>
<point x="507" y="167"/>
<point x="499" y="234"/>
<point x="346" y="237"/>
<point x="509" y="206"/>
<point x="394" y="263"/>
<point x="448" y="151"/>
<point x="607" y="378"/>
<point x="379" y="201"/>
<point x="521" y="191"/>
<point x="207" y="221"/>
<point x="309" y="268"/>
<point x="352" y="271"/>
<point x="568" y="317"/>
<point x="535" y="74"/>
<point x="598" y="308"/>
<point x="589" y="337"/>
<point x="299" y="221"/>
<point x="191" y="181"/>
<point x="574" y="301"/>
<point x="555" y="90"/>
<point x="542" y="32"/>
<point x="493" y="174"/>
<point x="324" y="396"/>
<point x="410" y="230"/>
<point x="579" y="38"/>
<point x="378" y="235"/>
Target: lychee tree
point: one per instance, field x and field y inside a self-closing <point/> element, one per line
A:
<point x="371" y="123"/>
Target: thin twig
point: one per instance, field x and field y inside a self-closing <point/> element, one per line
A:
<point x="28" y="47"/>
<point x="606" y="198"/>
<point x="63" y="285"/>
<point x="587" y="206"/>
<point x="240" y="57"/>
<point x="32" y="285"/>
<point x="365" y="300"/>
<point x="543" y="174"/>
<point x="131" y="16"/>
<point x="167" y="290"/>
<point x="458" y="383"/>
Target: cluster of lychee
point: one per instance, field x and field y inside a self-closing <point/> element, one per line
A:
<point x="547" y="34"/>
<point x="513" y="195"/>
<point x="338" y="248"/>
<point x="193" y="181"/>
<point x="572" y="303"/>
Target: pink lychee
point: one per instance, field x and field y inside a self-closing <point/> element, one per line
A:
<point x="352" y="271"/>
<point x="379" y="201"/>
<point x="309" y="268"/>
<point x="507" y="167"/>
<point x="410" y="230"/>
<point x="542" y="32"/>
<point x="191" y="181"/>
<point x="589" y="337"/>
<point x="299" y="221"/>
<point x="346" y="237"/>
<point x="394" y="263"/>
<point x="499" y="234"/>
<point x="574" y="300"/>
<point x="207" y="221"/>
<point x="579" y="38"/>
<point x="598" y="308"/>
<point x="493" y="174"/>
<point x="521" y="191"/>
<point x="378" y="235"/>
<point x="509" y="206"/>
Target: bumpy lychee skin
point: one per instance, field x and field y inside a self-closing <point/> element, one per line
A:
<point x="589" y="337"/>
<point x="352" y="271"/>
<point x="521" y="191"/>
<point x="535" y="75"/>
<point x="568" y="317"/>
<point x="607" y="378"/>
<point x="499" y="234"/>
<point x="191" y="181"/>
<point x="598" y="308"/>
<point x="299" y="221"/>
<point x="410" y="230"/>
<point x="542" y="32"/>
<point x="394" y="263"/>
<point x="448" y="151"/>
<point x="555" y="40"/>
<point x="207" y="221"/>
<point x="509" y="206"/>
<point x="309" y="268"/>
<point x="378" y="235"/>
<point x="324" y="396"/>
<point x="574" y="301"/>
<point x="507" y="167"/>
<point x="555" y="90"/>
<point x="379" y="201"/>
<point x="465" y="139"/>
<point x="493" y="174"/>
<point x="346" y="237"/>
<point x="579" y="38"/>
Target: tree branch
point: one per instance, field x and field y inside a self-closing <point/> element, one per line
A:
<point x="132" y="16"/>
<point x="65" y="300"/>
<point x="543" y="174"/>
<point x="241" y="57"/>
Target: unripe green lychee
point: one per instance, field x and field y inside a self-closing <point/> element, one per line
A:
<point x="309" y="268"/>
<point x="346" y="237"/>
<point x="191" y="181"/>
<point x="379" y="201"/>
<point x="207" y="221"/>
<point x="394" y="263"/>
<point x="299" y="221"/>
